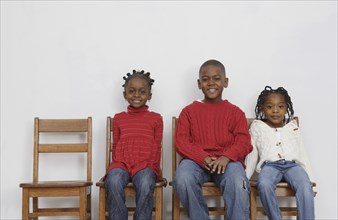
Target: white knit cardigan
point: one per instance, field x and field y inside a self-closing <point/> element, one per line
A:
<point x="268" y="147"/>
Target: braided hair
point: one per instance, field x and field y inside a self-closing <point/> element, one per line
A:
<point x="262" y="97"/>
<point x="138" y="74"/>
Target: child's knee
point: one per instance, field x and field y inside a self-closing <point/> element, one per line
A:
<point x="113" y="183"/>
<point x="264" y="185"/>
<point x="116" y="178"/>
<point x="235" y="179"/>
<point x="239" y="183"/>
<point x="236" y="168"/>
<point x="145" y="179"/>
<point x="184" y="179"/>
<point x="305" y="186"/>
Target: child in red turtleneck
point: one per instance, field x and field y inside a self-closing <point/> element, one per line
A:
<point x="137" y="137"/>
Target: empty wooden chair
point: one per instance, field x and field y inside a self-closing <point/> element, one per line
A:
<point x="129" y="189"/>
<point x="31" y="192"/>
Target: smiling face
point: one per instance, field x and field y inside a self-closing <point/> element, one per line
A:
<point x="137" y="92"/>
<point x="212" y="81"/>
<point x="275" y="108"/>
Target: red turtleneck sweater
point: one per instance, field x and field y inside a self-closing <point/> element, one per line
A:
<point x="212" y="129"/>
<point x="137" y="140"/>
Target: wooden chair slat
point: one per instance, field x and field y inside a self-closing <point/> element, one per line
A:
<point x="63" y="125"/>
<point x="63" y="148"/>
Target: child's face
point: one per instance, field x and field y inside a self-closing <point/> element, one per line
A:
<point x="275" y="109"/>
<point x="137" y="92"/>
<point x="212" y="81"/>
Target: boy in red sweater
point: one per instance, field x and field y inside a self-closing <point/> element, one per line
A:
<point x="213" y="139"/>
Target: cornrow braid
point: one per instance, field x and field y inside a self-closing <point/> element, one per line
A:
<point x="261" y="99"/>
<point x="140" y="74"/>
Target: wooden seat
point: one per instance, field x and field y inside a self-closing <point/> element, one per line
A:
<point x="77" y="188"/>
<point x="129" y="189"/>
<point x="283" y="189"/>
<point x="210" y="189"/>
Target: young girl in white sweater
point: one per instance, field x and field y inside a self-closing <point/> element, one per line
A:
<point x="279" y="154"/>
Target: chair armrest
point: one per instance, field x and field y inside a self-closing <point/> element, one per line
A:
<point x="100" y="183"/>
<point x="162" y="182"/>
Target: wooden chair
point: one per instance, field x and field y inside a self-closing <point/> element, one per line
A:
<point x="78" y="188"/>
<point x="210" y="189"/>
<point x="129" y="189"/>
<point x="283" y="189"/>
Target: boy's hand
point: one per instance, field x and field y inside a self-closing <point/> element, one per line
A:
<point x="208" y="162"/>
<point x="219" y="165"/>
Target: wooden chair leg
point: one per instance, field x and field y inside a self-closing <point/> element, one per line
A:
<point x="35" y="207"/>
<point x="253" y="204"/>
<point x="83" y="203"/>
<point x="225" y="213"/>
<point x="25" y="204"/>
<point x="102" y="203"/>
<point x="159" y="203"/>
<point x="89" y="204"/>
<point x="176" y="206"/>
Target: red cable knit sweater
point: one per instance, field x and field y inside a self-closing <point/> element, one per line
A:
<point x="137" y="140"/>
<point x="212" y="129"/>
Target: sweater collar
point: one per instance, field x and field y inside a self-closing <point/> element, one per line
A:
<point x="211" y="104"/>
<point x="293" y="124"/>
<point x="133" y="111"/>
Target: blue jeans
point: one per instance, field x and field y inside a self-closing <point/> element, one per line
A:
<point x="234" y="184"/>
<point x="144" y="182"/>
<point x="271" y="174"/>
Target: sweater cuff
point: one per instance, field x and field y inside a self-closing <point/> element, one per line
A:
<point x="231" y="155"/>
<point x="200" y="158"/>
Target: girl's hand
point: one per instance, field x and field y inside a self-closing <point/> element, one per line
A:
<point x="219" y="165"/>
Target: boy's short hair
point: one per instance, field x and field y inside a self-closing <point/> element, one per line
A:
<point x="213" y="63"/>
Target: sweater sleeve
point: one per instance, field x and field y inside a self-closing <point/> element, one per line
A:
<point x="242" y="143"/>
<point x="304" y="160"/>
<point x="183" y="141"/>
<point x="156" y="150"/>
<point x="251" y="159"/>
<point x="116" y="135"/>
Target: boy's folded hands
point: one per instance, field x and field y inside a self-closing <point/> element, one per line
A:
<point x="213" y="164"/>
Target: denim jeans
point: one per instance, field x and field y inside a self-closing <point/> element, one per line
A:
<point x="144" y="182"/>
<point x="272" y="173"/>
<point x="234" y="184"/>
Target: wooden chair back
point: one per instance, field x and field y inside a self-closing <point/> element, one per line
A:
<point x="61" y="188"/>
<point x="129" y="189"/>
<point x="283" y="189"/>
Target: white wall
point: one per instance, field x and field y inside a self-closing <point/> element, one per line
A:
<point x="67" y="59"/>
